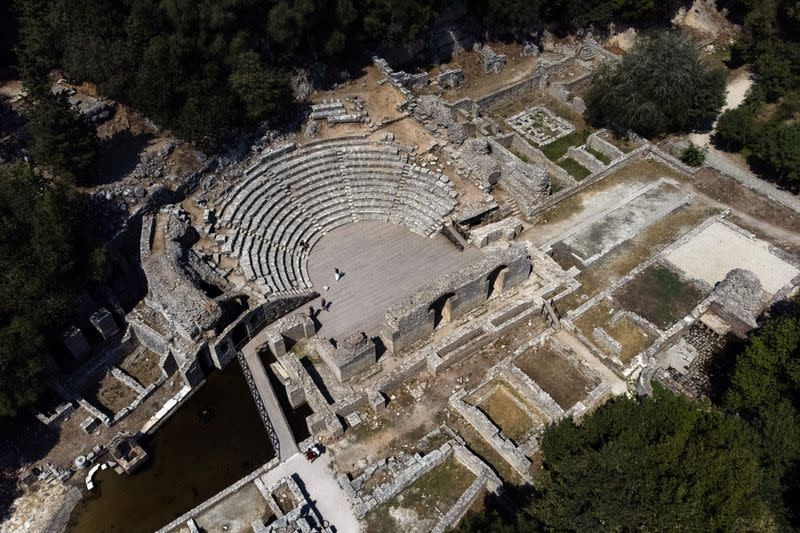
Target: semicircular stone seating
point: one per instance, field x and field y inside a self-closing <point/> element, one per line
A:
<point x="301" y="195"/>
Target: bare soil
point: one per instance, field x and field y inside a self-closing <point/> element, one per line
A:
<point x="556" y="375"/>
<point x="284" y="498"/>
<point x="110" y="393"/>
<point x="142" y="366"/>
<point x="478" y="83"/>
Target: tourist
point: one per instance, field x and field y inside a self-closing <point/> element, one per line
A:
<point x="336" y="274"/>
<point x="322" y="304"/>
<point x="311" y="311"/>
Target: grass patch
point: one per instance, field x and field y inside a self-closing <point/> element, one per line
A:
<point x="428" y="498"/>
<point x="659" y="295"/>
<point x="575" y="169"/>
<point x="617" y="263"/>
<point x="603" y="158"/>
<point x="506" y="414"/>
<point x="556" y="149"/>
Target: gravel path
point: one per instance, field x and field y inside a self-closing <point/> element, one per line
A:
<point x="324" y="492"/>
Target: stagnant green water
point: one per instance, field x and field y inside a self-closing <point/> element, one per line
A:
<point x="214" y="439"/>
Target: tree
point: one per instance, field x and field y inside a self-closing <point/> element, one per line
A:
<point x="777" y="149"/>
<point x="396" y="21"/>
<point x="42" y="265"/>
<point x="661" y="86"/>
<point x="63" y="141"/>
<point x="505" y="17"/>
<point x="694" y="155"/>
<point x="737" y="128"/>
<point x="657" y="464"/>
<point x="765" y="391"/>
<point x="264" y="93"/>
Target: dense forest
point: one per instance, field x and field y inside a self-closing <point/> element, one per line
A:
<point x="204" y="68"/>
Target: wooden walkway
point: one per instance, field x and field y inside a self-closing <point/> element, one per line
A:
<point x="286" y="443"/>
<point x="382" y="263"/>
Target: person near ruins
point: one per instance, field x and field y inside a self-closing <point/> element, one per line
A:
<point x="311" y="311"/>
<point x="323" y="304"/>
<point x="336" y="274"/>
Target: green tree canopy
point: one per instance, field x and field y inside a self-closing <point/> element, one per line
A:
<point x="42" y="266"/>
<point x="765" y="391"/>
<point x="62" y="140"/>
<point x="661" y="463"/>
<point x="661" y="86"/>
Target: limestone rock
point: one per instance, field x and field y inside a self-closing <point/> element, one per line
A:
<point x="740" y="293"/>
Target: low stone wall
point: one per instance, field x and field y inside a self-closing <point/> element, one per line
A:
<point x="505" y="230"/>
<point x="490" y="433"/>
<point x="585" y="159"/>
<point x="249" y="478"/>
<point x="537" y="81"/>
<point x="409" y="468"/>
<point x="223" y="348"/>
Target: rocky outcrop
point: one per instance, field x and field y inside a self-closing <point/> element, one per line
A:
<point x="740" y="294"/>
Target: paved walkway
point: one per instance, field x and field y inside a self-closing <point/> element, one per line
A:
<point x="327" y="498"/>
<point x="382" y="263"/>
<point x="286" y="441"/>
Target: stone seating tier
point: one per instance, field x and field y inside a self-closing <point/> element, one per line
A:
<point x="303" y="194"/>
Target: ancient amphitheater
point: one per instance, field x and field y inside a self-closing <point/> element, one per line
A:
<point x="490" y="283"/>
<point x="292" y="198"/>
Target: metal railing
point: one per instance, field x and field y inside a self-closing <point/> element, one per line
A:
<point x="262" y="409"/>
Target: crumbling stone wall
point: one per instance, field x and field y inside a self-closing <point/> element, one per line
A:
<point x="174" y="277"/>
<point x="349" y="356"/>
<point x="413" y="318"/>
<point x="224" y="347"/>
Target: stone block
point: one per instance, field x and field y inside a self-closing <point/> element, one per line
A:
<point x="75" y="342"/>
<point x="104" y="322"/>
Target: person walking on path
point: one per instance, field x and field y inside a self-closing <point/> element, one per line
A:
<point x="336" y="274"/>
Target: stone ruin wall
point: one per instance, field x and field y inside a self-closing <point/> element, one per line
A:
<point x="224" y="347"/>
<point x="412" y="319"/>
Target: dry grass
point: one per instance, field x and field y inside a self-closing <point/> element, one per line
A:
<point x="637" y="173"/>
<point x="632" y="338"/>
<point x="142" y="366"/>
<point x="616" y="264"/>
<point x="427" y="499"/>
<point x="109" y="394"/>
<point x="555" y="374"/>
<point x="506" y="414"/>
<point x="484" y="450"/>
